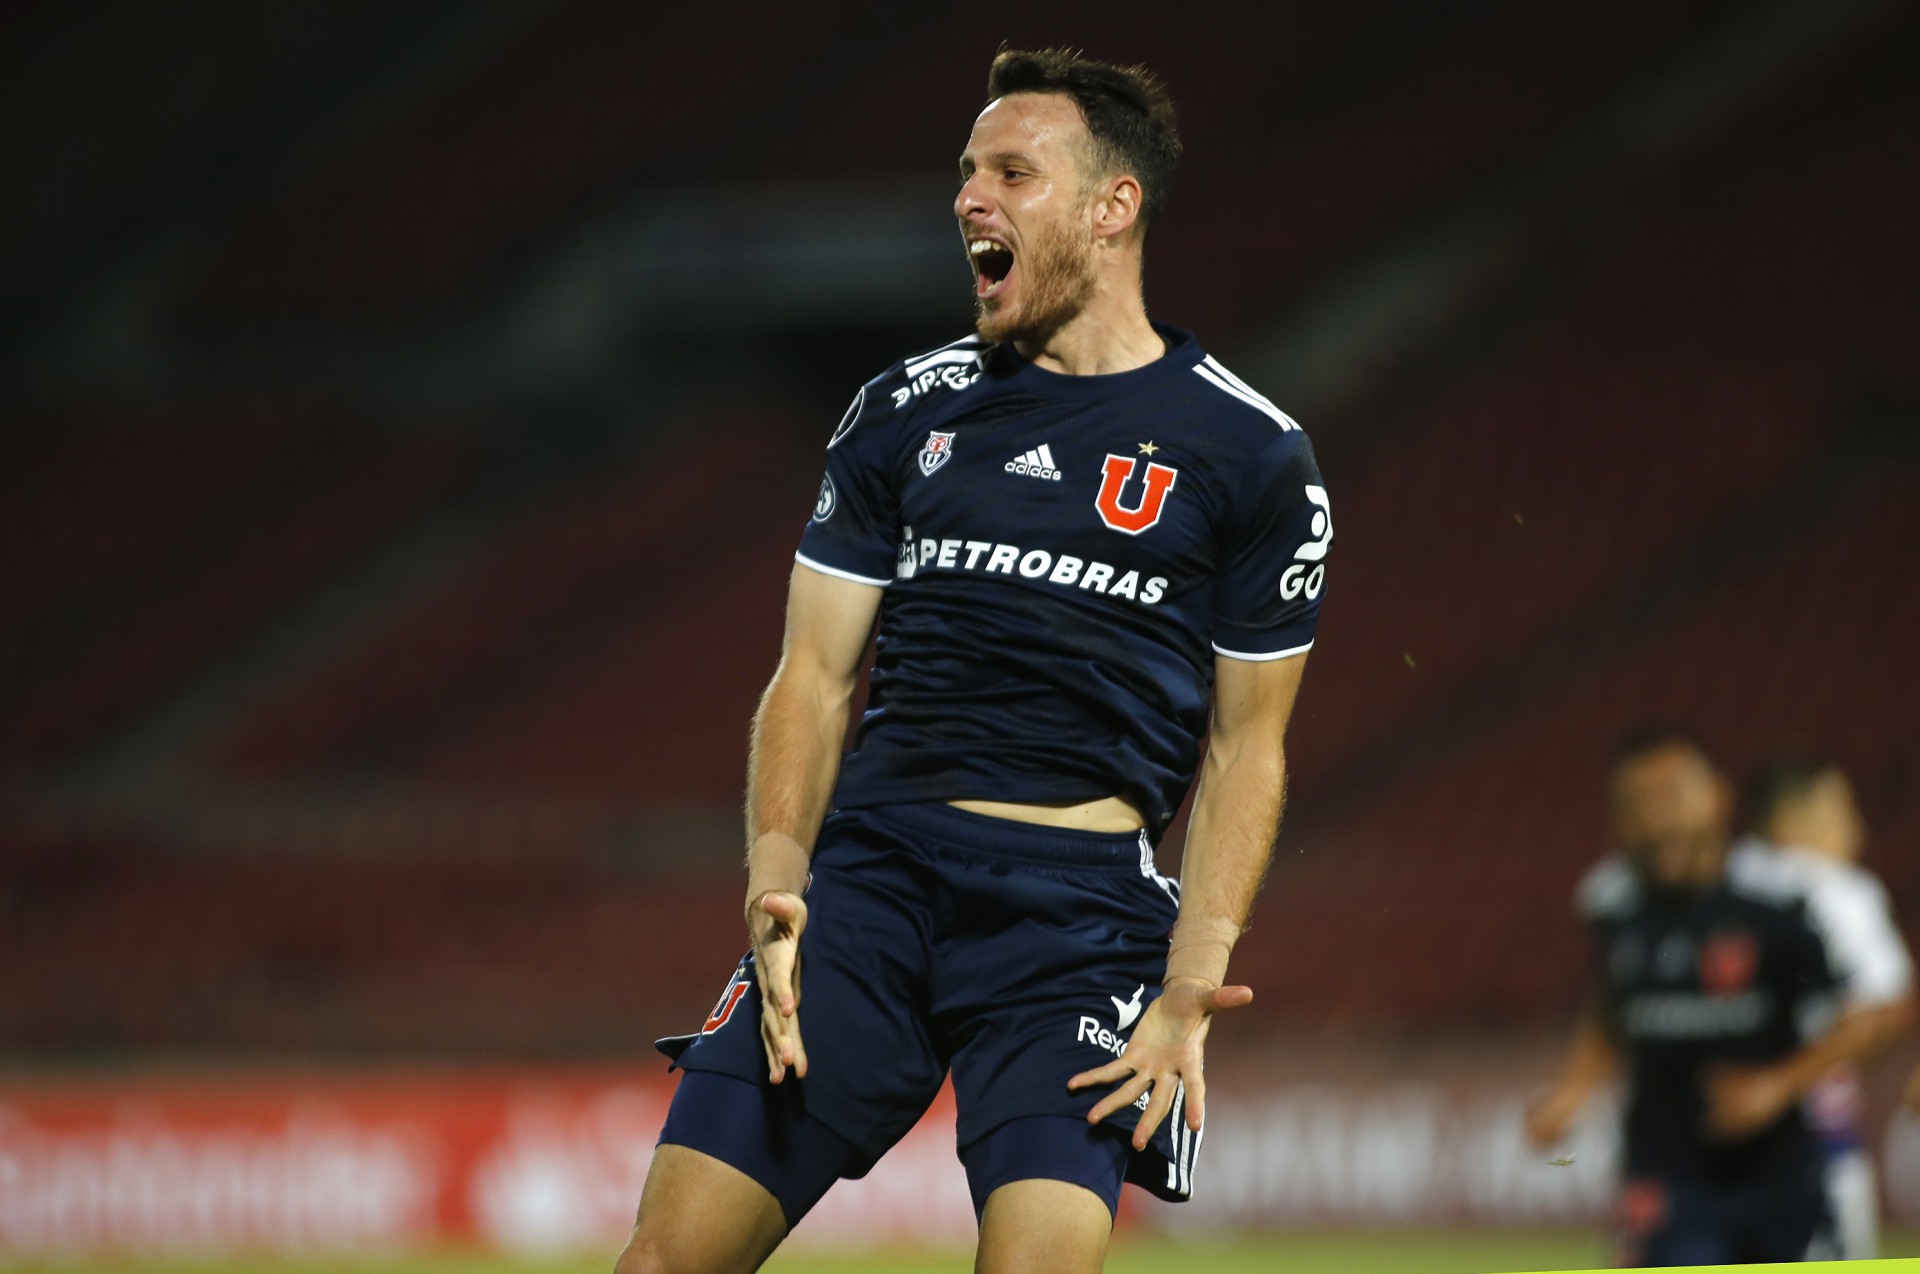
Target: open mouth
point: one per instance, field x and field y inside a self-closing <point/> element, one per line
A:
<point x="992" y="263"/>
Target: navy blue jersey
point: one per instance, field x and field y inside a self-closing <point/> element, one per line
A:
<point x="1063" y="558"/>
<point x="1735" y="974"/>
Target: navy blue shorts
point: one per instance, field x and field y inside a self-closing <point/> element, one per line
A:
<point x="1677" y="1221"/>
<point x="1015" y="956"/>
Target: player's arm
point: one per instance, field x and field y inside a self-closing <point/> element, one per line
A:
<point x="1870" y="958"/>
<point x="1592" y="1060"/>
<point x="1888" y="1024"/>
<point x="1236" y="815"/>
<point x="1742" y="1100"/>
<point x="794" y="758"/>
<point x="1853" y="938"/>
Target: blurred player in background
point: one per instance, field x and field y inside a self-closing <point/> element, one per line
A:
<point x="1718" y="985"/>
<point x="1803" y="812"/>
<point x="1086" y="544"/>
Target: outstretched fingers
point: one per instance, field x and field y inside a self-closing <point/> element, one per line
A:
<point x="1135" y="1083"/>
<point x="1165" y="1088"/>
<point x="778" y="947"/>
<point x="1196" y="1099"/>
<point x="785" y="1049"/>
<point x="778" y="918"/>
<point x="1165" y="1056"/>
<point x="780" y="1031"/>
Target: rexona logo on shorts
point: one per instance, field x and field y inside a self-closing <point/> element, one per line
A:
<point x="1091" y="1032"/>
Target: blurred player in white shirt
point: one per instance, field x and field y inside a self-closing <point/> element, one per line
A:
<point x="1804" y="811"/>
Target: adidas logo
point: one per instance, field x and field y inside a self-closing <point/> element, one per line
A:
<point x="1037" y="463"/>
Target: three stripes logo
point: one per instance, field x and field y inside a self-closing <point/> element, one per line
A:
<point x="1036" y="463"/>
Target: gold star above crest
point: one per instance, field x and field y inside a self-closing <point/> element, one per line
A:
<point x="1147" y="448"/>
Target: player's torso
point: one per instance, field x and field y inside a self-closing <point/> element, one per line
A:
<point x="1701" y="978"/>
<point x="1064" y="556"/>
<point x="1695" y="986"/>
<point x="1115" y="501"/>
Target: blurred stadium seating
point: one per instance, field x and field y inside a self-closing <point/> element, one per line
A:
<point x="486" y="810"/>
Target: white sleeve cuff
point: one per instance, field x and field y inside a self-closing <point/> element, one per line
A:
<point x="837" y="573"/>
<point x="1218" y="649"/>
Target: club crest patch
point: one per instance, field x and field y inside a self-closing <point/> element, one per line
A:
<point x="1114" y="476"/>
<point x="1728" y="961"/>
<point x="737" y="987"/>
<point x="934" y="454"/>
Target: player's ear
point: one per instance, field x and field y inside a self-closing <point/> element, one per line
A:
<point x="1118" y="209"/>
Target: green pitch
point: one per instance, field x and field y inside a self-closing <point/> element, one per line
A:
<point x="1320" y="1252"/>
<point x="1403" y="1252"/>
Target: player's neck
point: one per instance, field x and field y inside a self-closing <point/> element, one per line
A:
<point x="1110" y="334"/>
<point x="1691" y="869"/>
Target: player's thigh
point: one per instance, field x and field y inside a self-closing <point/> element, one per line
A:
<point x="765" y="1133"/>
<point x="1062" y="976"/>
<point x="700" y="1216"/>
<point x="1053" y="1148"/>
<point x="1041" y="1226"/>
<point x="1666" y="1223"/>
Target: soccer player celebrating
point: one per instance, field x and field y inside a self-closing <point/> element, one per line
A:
<point x="1086" y="544"/>
<point x="1802" y="812"/>
<point x="1719" y="983"/>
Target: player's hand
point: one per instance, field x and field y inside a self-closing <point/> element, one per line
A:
<point x="1551" y="1117"/>
<point x="1742" y="1100"/>
<point x="1167" y="1050"/>
<point x="775" y="920"/>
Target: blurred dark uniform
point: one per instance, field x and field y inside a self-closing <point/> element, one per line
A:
<point x="1738" y="974"/>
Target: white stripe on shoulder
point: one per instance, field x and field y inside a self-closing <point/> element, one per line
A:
<point x="964" y="350"/>
<point x="1609" y="889"/>
<point x="837" y="573"/>
<point x="1220" y="369"/>
<point x="1254" y="401"/>
<point x="1768" y="875"/>
<point x="1218" y="649"/>
<point x="848" y="421"/>
<point x="931" y="361"/>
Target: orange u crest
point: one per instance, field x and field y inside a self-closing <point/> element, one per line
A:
<point x="1113" y="480"/>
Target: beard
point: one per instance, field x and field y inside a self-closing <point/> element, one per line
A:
<point x="1058" y="278"/>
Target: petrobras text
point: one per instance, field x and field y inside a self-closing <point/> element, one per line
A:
<point x="1064" y="569"/>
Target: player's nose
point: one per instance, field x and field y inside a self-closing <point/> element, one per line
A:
<point x="970" y="201"/>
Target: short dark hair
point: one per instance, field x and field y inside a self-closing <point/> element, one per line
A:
<point x="1127" y="110"/>
<point x="1780" y="781"/>
<point x="1643" y="741"/>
